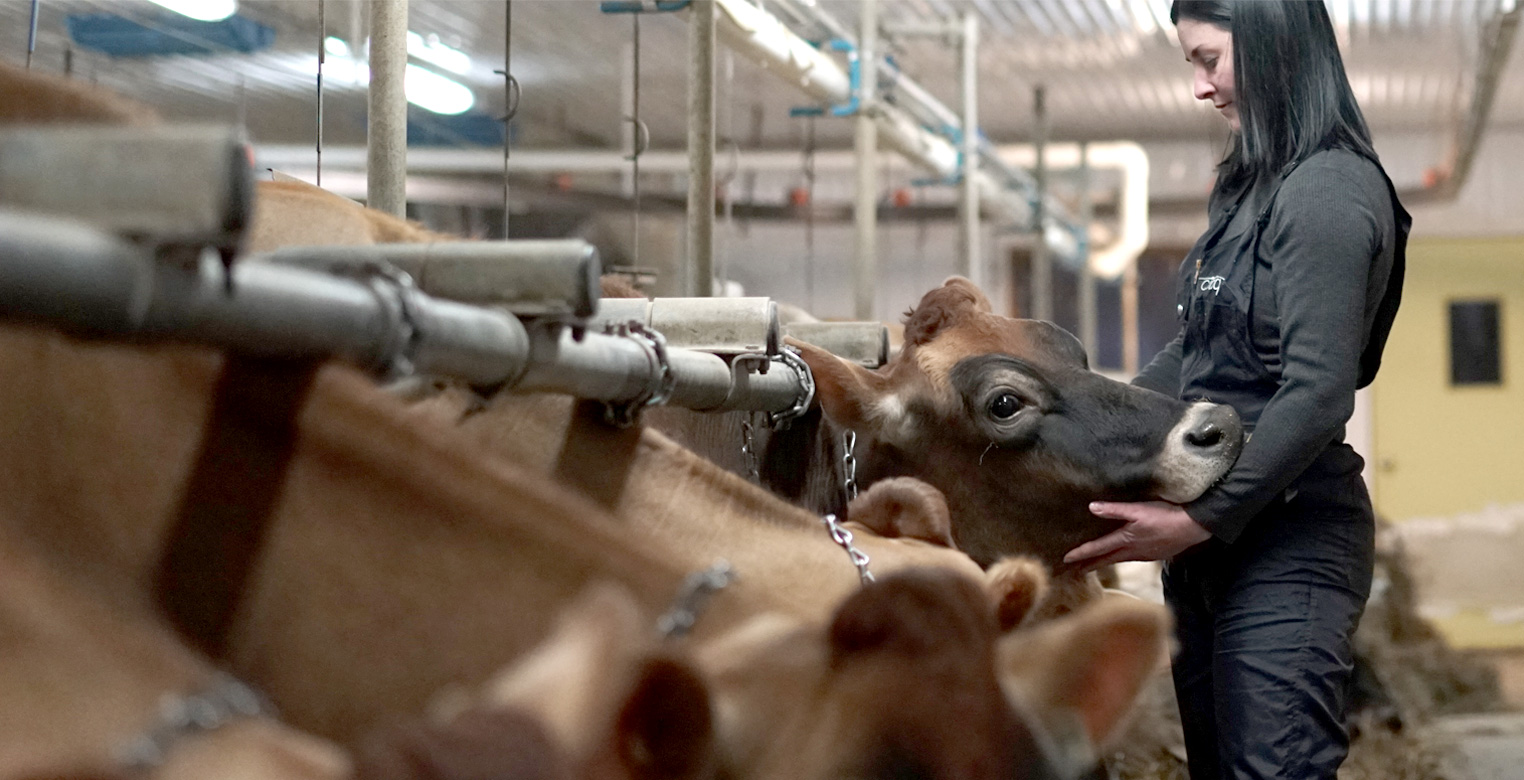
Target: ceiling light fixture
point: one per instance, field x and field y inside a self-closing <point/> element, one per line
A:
<point x="430" y="50"/>
<point x="429" y="90"/>
<point x="202" y="10"/>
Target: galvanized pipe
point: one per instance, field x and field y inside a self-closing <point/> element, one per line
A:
<point x="386" y="133"/>
<point x="532" y="278"/>
<point x="968" y="202"/>
<point x="864" y="343"/>
<point x="723" y="326"/>
<point x="701" y="50"/>
<point x="614" y="369"/>
<point x="62" y="273"/>
<point x="865" y="213"/>
<point x="1087" y="313"/>
<point x="1042" y="258"/>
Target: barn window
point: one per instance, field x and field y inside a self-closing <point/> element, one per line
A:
<point x="1474" y="343"/>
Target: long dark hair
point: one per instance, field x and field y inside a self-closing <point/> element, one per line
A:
<point x="1293" y="96"/>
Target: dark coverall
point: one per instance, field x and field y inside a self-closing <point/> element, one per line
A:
<point x="1284" y="305"/>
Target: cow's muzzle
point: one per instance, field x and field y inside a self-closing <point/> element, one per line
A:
<point x="1198" y="451"/>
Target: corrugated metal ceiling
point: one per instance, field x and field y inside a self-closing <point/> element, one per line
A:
<point x="1110" y="67"/>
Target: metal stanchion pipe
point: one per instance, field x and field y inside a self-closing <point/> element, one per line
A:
<point x="386" y="160"/>
<point x="701" y="49"/>
<point x="59" y="272"/>
<point x="865" y="213"/>
<point x="62" y="273"/>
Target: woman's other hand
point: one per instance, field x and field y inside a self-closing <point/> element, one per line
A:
<point x="1153" y="531"/>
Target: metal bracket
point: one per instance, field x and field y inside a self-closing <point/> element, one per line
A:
<point x="397" y="292"/>
<point x="663" y="381"/>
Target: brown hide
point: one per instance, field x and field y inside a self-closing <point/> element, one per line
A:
<point x="33" y="97"/>
<point x="698" y="511"/>
<point x="913" y="679"/>
<point x="394" y="560"/>
<point x="293" y="213"/>
<point x="80" y="680"/>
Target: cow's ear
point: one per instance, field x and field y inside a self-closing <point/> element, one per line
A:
<point x="848" y="393"/>
<point x="1015" y="585"/>
<point x="666" y="729"/>
<point x="943" y="307"/>
<point x="904" y="507"/>
<point x="1087" y="668"/>
<point x="578" y="679"/>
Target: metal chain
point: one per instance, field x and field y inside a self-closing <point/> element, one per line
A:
<point x="223" y="701"/>
<point x="849" y="464"/>
<point x="749" y="449"/>
<point x="663" y="382"/>
<point x="691" y="599"/>
<point x="843" y="537"/>
<point x="789" y="356"/>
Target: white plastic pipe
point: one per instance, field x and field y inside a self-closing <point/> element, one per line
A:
<point x="1127" y="157"/>
<point x="1108" y="262"/>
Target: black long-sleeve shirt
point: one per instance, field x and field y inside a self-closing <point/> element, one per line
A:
<point x="1327" y="254"/>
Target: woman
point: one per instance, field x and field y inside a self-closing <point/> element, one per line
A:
<point x="1284" y="307"/>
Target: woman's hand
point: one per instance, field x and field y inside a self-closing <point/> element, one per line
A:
<point x="1154" y="531"/>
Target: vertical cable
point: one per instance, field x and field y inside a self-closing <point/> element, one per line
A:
<point x="322" y="57"/>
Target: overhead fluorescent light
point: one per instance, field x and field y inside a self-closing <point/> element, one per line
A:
<point x="430" y="50"/>
<point x="429" y="90"/>
<point x="203" y="10"/>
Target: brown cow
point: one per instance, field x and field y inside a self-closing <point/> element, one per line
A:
<point x="1005" y="418"/>
<point x="80" y="682"/>
<point x="911" y="678"/>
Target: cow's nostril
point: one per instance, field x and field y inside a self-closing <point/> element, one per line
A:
<point x="1209" y="435"/>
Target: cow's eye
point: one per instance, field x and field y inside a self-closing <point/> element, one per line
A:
<point x="1005" y="406"/>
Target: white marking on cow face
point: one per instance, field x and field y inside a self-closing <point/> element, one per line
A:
<point x="896" y="424"/>
<point x="1197" y="452"/>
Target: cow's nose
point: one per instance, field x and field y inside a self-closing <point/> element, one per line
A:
<point x="1214" y="430"/>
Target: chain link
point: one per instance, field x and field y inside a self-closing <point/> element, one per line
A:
<point x="749" y="449"/>
<point x="697" y="589"/>
<point x="223" y="701"/>
<point x="849" y="464"/>
<point x="843" y="537"/>
<point x="626" y="414"/>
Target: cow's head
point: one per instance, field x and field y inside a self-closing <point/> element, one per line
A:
<point x="914" y="679"/>
<point x="1005" y="417"/>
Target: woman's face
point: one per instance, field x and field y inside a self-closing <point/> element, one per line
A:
<point x="1209" y="49"/>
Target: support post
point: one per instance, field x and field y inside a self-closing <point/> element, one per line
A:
<point x="386" y="157"/>
<point x="1087" y="314"/>
<point x="865" y="144"/>
<point x="1130" y="319"/>
<point x="968" y="203"/>
<point x="701" y="53"/>
<point x="1042" y="259"/>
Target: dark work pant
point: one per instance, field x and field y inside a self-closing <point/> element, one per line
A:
<point x="1265" y="628"/>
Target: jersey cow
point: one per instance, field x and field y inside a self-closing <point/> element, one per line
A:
<point x="1004" y="416"/>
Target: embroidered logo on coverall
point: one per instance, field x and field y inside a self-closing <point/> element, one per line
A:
<point x="1212" y="283"/>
